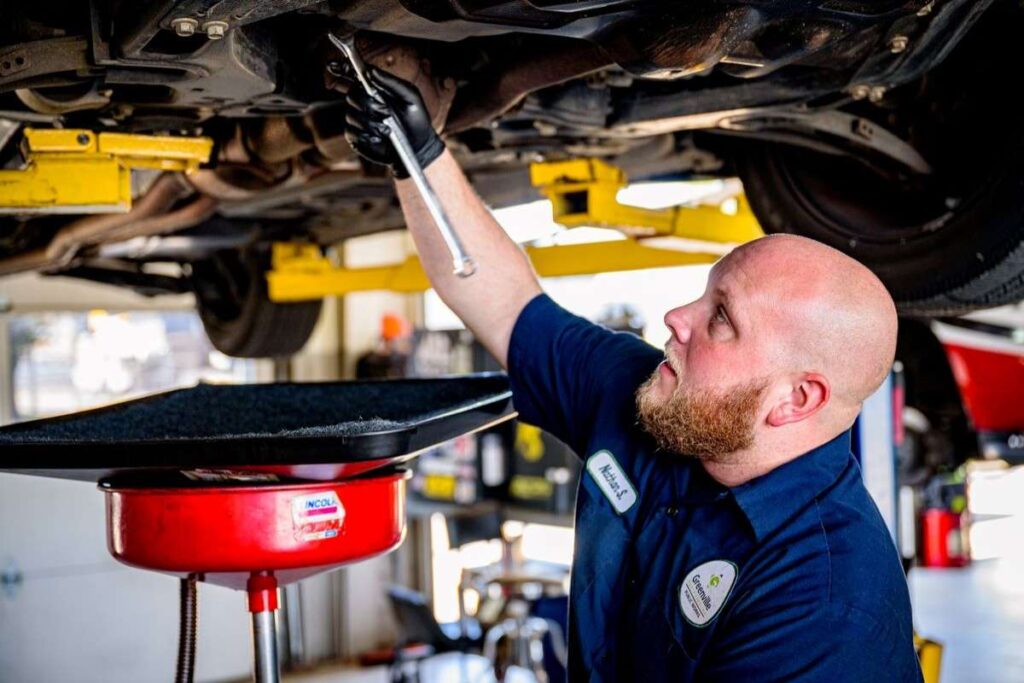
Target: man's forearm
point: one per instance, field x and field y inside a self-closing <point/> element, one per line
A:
<point x="490" y="301"/>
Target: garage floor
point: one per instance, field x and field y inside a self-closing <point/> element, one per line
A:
<point x="446" y="668"/>
<point x="977" y="613"/>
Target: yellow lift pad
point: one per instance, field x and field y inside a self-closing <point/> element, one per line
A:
<point x="79" y="171"/>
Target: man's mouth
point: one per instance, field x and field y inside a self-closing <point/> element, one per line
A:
<point x="667" y="370"/>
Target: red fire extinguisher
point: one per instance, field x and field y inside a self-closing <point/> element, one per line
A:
<point x="942" y="533"/>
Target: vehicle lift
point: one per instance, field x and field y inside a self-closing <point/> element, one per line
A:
<point x="79" y="171"/>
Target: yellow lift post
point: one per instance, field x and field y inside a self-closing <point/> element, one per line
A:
<point x="582" y="192"/>
<point x="79" y="171"/>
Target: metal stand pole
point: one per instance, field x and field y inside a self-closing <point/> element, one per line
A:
<point x="187" y="631"/>
<point x="264" y="642"/>
<point x="262" y="587"/>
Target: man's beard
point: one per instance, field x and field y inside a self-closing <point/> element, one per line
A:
<point x="702" y="423"/>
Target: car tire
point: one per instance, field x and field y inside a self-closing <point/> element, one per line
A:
<point x="943" y="244"/>
<point x="239" y="318"/>
<point x="975" y="259"/>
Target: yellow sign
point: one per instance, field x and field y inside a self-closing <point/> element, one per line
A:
<point x="530" y="488"/>
<point x="529" y="443"/>
<point x="439" y="486"/>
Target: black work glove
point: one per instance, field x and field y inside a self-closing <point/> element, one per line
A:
<point x="366" y="132"/>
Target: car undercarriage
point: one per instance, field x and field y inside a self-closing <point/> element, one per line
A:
<point x="856" y="123"/>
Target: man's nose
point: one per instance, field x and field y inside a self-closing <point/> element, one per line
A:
<point x="678" y="321"/>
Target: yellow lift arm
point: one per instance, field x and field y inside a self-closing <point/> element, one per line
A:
<point x="585" y="192"/>
<point x="79" y="171"/>
<point x="582" y="192"/>
<point x="299" y="272"/>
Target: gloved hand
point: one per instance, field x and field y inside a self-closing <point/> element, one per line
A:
<point x="365" y="131"/>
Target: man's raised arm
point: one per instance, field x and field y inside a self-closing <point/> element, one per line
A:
<point x="489" y="302"/>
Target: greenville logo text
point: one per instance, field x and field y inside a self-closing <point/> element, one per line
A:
<point x="701" y="593"/>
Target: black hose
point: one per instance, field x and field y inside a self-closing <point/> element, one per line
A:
<point x="187" y="631"/>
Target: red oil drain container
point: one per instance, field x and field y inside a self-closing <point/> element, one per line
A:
<point x="255" y="535"/>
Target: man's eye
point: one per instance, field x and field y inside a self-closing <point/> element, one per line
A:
<point x="720" y="316"/>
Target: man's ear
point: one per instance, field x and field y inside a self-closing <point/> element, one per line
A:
<point x="807" y="395"/>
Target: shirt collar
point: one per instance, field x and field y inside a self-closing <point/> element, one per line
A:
<point x="700" y="488"/>
<point x="769" y="501"/>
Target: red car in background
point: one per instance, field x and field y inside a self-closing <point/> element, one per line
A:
<point x="964" y="390"/>
<point x="986" y="357"/>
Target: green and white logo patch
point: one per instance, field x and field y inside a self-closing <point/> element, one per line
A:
<point x="705" y="589"/>
<point x="613" y="482"/>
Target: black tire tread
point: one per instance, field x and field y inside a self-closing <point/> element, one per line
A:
<point x="262" y="328"/>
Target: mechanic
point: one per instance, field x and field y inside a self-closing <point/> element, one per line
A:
<point x="723" y="531"/>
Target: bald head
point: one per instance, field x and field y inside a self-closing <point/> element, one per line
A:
<point x="828" y="312"/>
<point x="774" y="359"/>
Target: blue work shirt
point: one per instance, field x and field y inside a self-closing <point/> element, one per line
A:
<point x="790" y="576"/>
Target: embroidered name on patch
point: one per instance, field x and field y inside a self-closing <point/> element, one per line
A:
<point x="705" y="590"/>
<point x="612" y="481"/>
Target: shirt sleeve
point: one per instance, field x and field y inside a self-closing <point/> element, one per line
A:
<point x="811" y="642"/>
<point x="563" y="368"/>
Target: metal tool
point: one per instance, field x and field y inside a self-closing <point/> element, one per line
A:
<point x="462" y="263"/>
